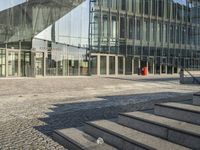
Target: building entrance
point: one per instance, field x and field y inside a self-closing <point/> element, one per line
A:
<point x="13" y="63"/>
<point x="39" y="64"/>
<point x="25" y="64"/>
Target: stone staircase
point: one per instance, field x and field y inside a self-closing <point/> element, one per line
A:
<point x="173" y="126"/>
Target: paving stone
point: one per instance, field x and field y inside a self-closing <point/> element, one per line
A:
<point x="31" y="109"/>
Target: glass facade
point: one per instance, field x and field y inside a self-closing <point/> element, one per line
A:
<point x="163" y="35"/>
<point x="99" y="37"/>
<point x="43" y="38"/>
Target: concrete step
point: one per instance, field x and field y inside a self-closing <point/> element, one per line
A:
<point x="125" y="138"/>
<point x="196" y="99"/>
<point x="76" y="139"/>
<point x="179" y="132"/>
<point x="182" y="112"/>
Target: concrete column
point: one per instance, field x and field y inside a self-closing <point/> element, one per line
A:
<point x="79" y="67"/>
<point x="178" y="70"/>
<point x="139" y="66"/>
<point x="132" y="66"/>
<point x="160" y="69"/>
<point x="45" y="56"/>
<point x="165" y="69"/>
<point x="172" y="70"/>
<point x="98" y="65"/>
<point x="147" y="66"/>
<point x="124" y="65"/>
<point x="19" y="63"/>
<point x="33" y="73"/>
<point x="107" y="65"/>
<point x="116" y="65"/>
<point x="6" y="61"/>
<point x="153" y="68"/>
<point x="19" y="60"/>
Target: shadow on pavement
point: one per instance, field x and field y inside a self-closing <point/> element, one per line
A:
<point x="74" y="114"/>
<point x="146" y="79"/>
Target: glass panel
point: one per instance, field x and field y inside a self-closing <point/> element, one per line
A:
<point x="122" y="27"/>
<point x="128" y="64"/>
<point x="130" y="5"/>
<point x="105" y="26"/>
<point x="138" y="6"/>
<point x="25" y="64"/>
<point x="146" y="31"/>
<point x="154" y="7"/>
<point x="114" y="4"/>
<point x="150" y="65"/>
<point x="103" y="65"/>
<point x="131" y="28"/>
<point x="114" y="28"/>
<point x="136" y="65"/>
<point x="12" y="63"/>
<point x="123" y="4"/>
<point x="112" y="65"/>
<point x="120" y="65"/>
<point x="105" y="3"/>
<point x="146" y="7"/>
<point x="2" y="63"/>
<point x="39" y="64"/>
<point x="93" y="65"/>
<point x="138" y="30"/>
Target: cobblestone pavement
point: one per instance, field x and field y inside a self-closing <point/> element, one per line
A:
<point x="31" y="109"/>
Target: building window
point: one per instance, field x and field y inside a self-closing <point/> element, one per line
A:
<point x="160" y="8"/>
<point x="138" y="5"/>
<point x="165" y="33"/>
<point x="179" y="12"/>
<point x="130" y="5"/>
<point x="154" y="7"/>
<point x="102" y="65"/>
<point x="183" y="35"/>
<point x="112" y="65"/>
<point x="172" y="33"/>
<point x="146" y="7"/>
<point x="105" y="3"/>
<point x="122" y="27"/>
<point x="153" y="31"/>
<point x="146" y="31"/>
<point x="123" y="4"/>
<point x="114" y="27"/>
<point x="93" y="64"/>
<point x="2" y="63"/>
<point x="105" y="26"/>
<point x="174" y="10"/>
<point x="138" y="30"/>
<point x="120" y="65"/>
<point x="159" y="32"/>
<point x="131" y="28"/>
<point x="189" y="35"/>
<point x="114" y="4"/>
<point x="178" y="31"/>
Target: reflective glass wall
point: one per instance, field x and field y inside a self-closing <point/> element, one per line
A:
<point x="65" y="43"/>
<point x="161" y="34"/>
<point x="56" y="59"/>
<point x="39" y="38"/>
<point x="21" y="19"/>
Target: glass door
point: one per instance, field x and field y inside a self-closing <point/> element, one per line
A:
<point x="2" y="63"/>
<point x="39" y="64"/>
<point x="13" y="63"/>
<point x="25" y="64"/>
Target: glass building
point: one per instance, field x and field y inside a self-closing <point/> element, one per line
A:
<point x="98" y="37"/>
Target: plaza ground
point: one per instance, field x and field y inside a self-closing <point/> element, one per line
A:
<point x="31" y="109"/>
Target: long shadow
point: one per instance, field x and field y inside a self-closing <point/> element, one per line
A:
<point x="74" y="114"/>
<point x="143" y="79"/>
